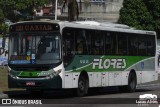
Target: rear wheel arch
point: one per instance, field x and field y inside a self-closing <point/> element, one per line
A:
<point x="132" y="81"/>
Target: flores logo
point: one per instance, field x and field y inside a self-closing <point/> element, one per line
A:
<point x="107" y="63"/>
<point x="146" y="99"/>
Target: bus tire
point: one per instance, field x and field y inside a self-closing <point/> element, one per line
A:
<point x="83" y="85"/>
<point x="132" y="82"/>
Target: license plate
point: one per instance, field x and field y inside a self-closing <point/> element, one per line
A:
<point x="30" y="83"/>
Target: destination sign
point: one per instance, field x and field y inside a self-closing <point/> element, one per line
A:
<point x="34" y="27"/>
<point x="15" y="57"/>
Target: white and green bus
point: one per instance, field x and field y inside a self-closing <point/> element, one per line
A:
<point x="80" y="55"/>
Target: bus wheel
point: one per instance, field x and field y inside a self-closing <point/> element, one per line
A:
<point x="132" y="82"/>
<point x="82" y="89"/>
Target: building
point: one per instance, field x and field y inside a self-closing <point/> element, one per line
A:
<point x="101" y="10"/>
<point x="47" y="10"/>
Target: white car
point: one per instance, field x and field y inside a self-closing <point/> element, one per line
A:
<point x="148" y="97"/>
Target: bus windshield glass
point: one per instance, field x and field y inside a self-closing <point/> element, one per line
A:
<point x="34" y="48"/>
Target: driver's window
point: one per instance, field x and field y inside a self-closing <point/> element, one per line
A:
<point x="68" y="45"/>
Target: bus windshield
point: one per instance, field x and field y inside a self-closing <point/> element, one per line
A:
<point x="34" y="48"/>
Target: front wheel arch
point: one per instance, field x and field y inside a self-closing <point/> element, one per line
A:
<point x="129" y="87"/>
<point x="83" y="84"/>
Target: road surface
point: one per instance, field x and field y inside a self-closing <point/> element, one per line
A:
<point x="97" y="98"/>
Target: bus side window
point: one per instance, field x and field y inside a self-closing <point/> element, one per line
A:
<point x="142" y="46"/>
<point x="132" y="45"/>
<point x="98" y="43"/>
<point x="122" y="44"/>
<point x="110" y="43"/>
<point x="150" y="46"/>
<point x="82" y="42"/>
<point x="80" y="46"/>
<point x="68" y="45"/>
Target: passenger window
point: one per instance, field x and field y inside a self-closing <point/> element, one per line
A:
<point x="122" y="44"/>
<point x="98" y="43"/>
<point x="110" y="43"/>
<point x="82" y="42"/>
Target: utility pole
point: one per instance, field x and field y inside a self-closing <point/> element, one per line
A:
<point x="56" y="10"/>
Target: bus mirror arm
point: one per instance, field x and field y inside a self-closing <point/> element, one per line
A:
<point x="3" y="42"/>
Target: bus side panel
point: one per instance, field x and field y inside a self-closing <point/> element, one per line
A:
<point x="75" y="80"/>
<point x="68" y="80"/>
<point x="115" y="78"/>
<point x="148" y="76"/>
<point x="149" y="70"/>
<point x="97" y="81"/>
<point x="139" y="77"/>
<point x="156" y="67"/>
<point x="104" y="79"/>
<point x="107" y="79"/>
<point x="118" y="78"/>
<point x="71" y="80"/>
<point x="125" y="75"/>
<point x="111" y="79"/>
<point x="90" y="74"/>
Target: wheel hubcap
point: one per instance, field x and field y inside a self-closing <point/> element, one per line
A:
<point x="81" y="86"/>
<point x="132" y="83"/>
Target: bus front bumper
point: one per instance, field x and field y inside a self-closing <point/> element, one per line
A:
<point x="35" y="83"/>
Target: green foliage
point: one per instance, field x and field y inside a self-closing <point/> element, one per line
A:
<point x="5" y="28"/>
<point x="25" y="7"/>
<point x="73" y="9"/>
<point x="1" y="15"/>
<point x="154" y="9"/>
<point x="135" y="13"/>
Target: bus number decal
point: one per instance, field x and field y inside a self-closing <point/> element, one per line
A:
<point x="107" y="63"/>
<point x="84" y="61"/>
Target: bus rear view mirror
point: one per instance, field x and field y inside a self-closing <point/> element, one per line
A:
<point x="3" y="42"/>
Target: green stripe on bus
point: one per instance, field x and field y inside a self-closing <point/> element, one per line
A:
<point x="30" y="73"/>
<point x="92" y="63"/>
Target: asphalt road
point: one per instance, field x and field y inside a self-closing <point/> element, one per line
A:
<point x="99" y="97"/>
<point x="103" y="97"/>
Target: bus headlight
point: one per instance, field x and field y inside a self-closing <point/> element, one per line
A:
<point x="58" y="72"/>
<point x="12" y="76"/>
<point x="55" y="73"/>
<point x="50" y="76"/>
<point x="8" y="68"/>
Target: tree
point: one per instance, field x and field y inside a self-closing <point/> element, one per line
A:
<point x="153" y="7"/>
<point x="73" y="9"/>
<point x="1" y="15"/>
<point x="16" y="9"/>
<point x="135" y="13"/>
<point x="5" y="28"/>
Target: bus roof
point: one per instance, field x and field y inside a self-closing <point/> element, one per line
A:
<point x="107" y="26"/>
<point x="94" y="25"/>
<point x="42" y="20"/>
